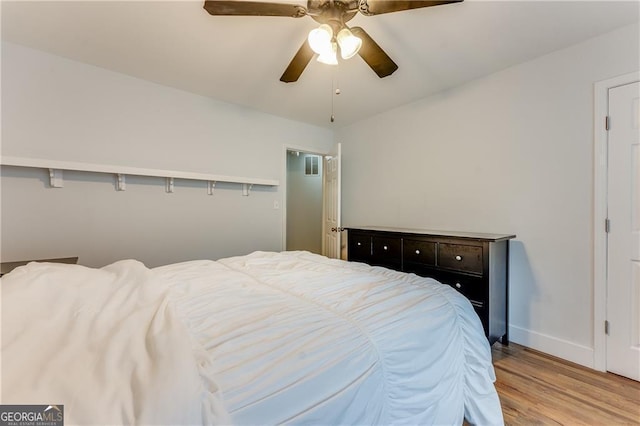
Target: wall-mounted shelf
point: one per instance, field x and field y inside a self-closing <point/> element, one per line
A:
<point x="56" y="168"/>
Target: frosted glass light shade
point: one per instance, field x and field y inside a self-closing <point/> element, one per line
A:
<point x="320" y="39"/>
<point x="329" y="57"/>
<point x="349" y="44"/>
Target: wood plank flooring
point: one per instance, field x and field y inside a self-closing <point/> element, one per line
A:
<point x="538" y="389"/>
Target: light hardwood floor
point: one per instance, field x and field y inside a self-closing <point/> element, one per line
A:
<point x="538" y="389"/>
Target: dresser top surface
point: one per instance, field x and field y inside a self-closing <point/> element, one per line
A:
<point x="436" y="233"/>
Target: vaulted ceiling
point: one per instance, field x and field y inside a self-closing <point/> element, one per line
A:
<point x="240" y="59"/>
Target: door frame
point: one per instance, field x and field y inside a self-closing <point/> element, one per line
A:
<point x="600" y="201"/>
<point x="283" y="185"/>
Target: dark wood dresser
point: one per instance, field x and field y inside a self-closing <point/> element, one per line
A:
<point x="477" y="265"/>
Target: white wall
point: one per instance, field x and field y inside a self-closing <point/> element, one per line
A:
<point x="510" y="153"/>
<point x="59" y="109"/>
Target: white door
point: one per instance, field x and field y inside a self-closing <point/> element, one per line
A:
<point x="623" y="239"/>
<point x="331" y="206"/>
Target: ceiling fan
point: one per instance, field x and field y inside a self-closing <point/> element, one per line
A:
<point x="333" y="33"/>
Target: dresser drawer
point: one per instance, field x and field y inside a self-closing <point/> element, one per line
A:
<point x="474" y="289"/>
<point x="386" y="251"/>
<point x="359" y="247"/>
<point x="421" y="252"/>
<point x="460" y="257"/>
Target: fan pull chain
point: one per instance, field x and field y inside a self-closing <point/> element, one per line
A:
<point x="335" y="91"/>
<point x="333" y="117"/>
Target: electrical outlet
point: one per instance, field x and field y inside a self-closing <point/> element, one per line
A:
<point x="276" y="205"/>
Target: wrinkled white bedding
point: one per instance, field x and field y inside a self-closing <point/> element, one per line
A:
<point x="299" y="338"/>
<point x="266" y="338"/>
<point x="105" y="343"/>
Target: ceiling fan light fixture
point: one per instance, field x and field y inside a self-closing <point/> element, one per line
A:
<point x="330" y="56"/>
<point x="349" y="44"/>
<point x="320" y="39"/>
<point x="332" y="14"/>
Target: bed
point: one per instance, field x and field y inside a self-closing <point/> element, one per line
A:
<point x="266" y="338"/>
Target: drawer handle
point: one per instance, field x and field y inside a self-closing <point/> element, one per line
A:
<point x="417" y="251"/>
<point x="385" y="248"/>
<point x="459" y="258"/>
<point x="458" y="285"/>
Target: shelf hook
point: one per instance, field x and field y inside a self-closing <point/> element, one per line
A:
<point x="246" y="188"/>
<point x="55" y="178"/>
<point x="121" y="183"/>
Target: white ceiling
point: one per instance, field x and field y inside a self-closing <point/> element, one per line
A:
<point x="240" y="59"/>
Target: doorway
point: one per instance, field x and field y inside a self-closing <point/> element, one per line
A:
<point x="304" y="201"/>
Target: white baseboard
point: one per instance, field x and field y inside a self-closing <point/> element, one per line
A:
<point x="560" y="348"/>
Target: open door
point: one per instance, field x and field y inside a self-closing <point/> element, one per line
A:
<point x="331" y="230"/>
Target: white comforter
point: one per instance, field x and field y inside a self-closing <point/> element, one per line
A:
<point x="299" y="338"/>
<point x="105" y="343"/>
<point x="266" y="338"/>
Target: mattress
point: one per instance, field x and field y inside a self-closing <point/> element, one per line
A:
<point x="266" y="338"/>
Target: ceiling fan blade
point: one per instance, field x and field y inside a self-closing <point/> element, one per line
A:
<point x="298" y="64"/>
<point x="253" y="8"/>
<point x="377" y="7"/>
<point x="373" y="54"/>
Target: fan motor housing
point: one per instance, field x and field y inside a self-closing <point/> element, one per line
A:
<point x="328" y="11"/>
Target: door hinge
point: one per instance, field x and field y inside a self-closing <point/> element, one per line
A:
<point x="606" y="123"/>
<point x="607" y="225"/>
<point x="606" y="327"/>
